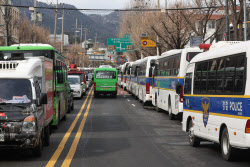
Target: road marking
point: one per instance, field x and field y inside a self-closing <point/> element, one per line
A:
<point x="73" y="147"/>
<point x="60" y="148"/>
<point x="133" y="105"/>
<point x="128" y="99"/>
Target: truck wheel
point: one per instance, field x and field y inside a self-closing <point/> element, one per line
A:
<point x="39" y="148"/>
<point x="193" y="140"/>
<point x="170" y="112"/>
<point x="47" y="136"/>
<point x="156" y="106"/>
<point x="226" y="149"/>
<point x="64" y="117"/>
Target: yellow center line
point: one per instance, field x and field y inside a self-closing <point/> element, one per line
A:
<point x="73" y="147"/>
<point x="60" y="148"/>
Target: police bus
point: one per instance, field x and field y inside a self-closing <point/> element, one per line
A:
<point x="134" y="78"/>
<point x="217" y="99"/>
<point x="129" y="81"/>
<point x="145" y="80"/>
<point x="171" y="70"/>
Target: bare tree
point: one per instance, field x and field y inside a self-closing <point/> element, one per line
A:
<point x="235" y="15"/>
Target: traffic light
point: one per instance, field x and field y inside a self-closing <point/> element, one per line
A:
<point x="109" y="56"/>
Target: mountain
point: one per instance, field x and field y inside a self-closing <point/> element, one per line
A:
<point x="105" y="26"/>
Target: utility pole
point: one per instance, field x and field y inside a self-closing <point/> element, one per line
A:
<point x="6" y="18"/>
<point x="35" y="12"/>
<point x="227" y="22"/>
<point x="95" y="38"/>
<point x="56" y="21"/>
<point x="62" y="42"/>
<point x="245" y="21"/>
<point x="157" y="37"/>
<point x="81" y="35"/>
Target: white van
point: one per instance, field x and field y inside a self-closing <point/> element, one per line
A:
<point x="76" y="85"/>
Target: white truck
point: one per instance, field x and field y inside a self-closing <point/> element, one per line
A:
<point x="26" y="101"/>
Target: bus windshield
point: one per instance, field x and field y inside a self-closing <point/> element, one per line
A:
<point x="106" y="75"/>
<point x="191" y="55"/>
<point x="15" y="91"/>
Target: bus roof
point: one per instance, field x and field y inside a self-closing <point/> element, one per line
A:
<point x="26" y="47"/>
<point x="105" y="69"/>
<point x="177" y="51"/>
<point x="224" y="51"/>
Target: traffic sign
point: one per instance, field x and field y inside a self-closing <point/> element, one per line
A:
<point x="146" y="42"/>
<point x="195" y="41"/>
<point x="120" y="44"/>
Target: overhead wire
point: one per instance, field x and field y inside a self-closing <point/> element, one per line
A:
<point x="114" y="10"/>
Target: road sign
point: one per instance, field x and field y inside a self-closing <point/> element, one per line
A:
<point x="120" y="44"/>
<point x="195" y="41"/>
<point x="146" y="42"/>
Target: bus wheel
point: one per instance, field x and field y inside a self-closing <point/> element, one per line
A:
<point x="72" y="107"/>
<point x="156" y="105"/>
<point x="170" y="112"/>
<point x="47" y="136"/>
<point x="193" y="140"/>
<point x="64" y="117"/>
<point x="226" y="149"/>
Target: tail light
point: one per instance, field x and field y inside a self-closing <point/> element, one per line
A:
<point x="116" y="86"/>
<point x="121" y="78"/>
<point x="247" y="130"/>
<point x="181" y="95"/>
<point x="94" y="85"/>
<point x="147" y="88"/>
<point x="125" y="79"/>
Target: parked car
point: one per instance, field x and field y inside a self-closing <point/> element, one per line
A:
<point x="76" y="85"/>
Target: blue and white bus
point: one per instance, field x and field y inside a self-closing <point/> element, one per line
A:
<point x="171" y="70"/>
<point x="129" y="81"/>
<point x="145" y="80"/>
<point x="217" y="98"/>
<point x="134" y="78"/>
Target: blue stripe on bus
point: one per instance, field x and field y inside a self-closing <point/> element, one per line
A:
<point x="144" y="80"/>
<point x="167" y="83"/>
<point x="218" y="105"/>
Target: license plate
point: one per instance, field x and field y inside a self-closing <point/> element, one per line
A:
<point x="1" y="137"/>
<point x="105" y="88"/>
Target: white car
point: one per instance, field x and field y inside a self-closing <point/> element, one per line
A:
<point x="76" y="85"/>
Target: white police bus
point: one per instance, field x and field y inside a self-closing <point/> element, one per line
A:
<point x="171" y="70"/>
<point x="129" y="77"/>
<point x="145" y="80"/>
<point x="217" y="98"/>
<point x="134" y="78"/>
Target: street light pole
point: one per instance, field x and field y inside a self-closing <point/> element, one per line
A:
<point x="245" y="21"/>
<point x="56" y="21"/>
<point x="157" y="37"/>
<point x="227" y="22"/>
<point x="62" y="42"/>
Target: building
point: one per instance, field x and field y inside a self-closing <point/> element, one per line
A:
<point x="14" y="16"/>
<point x="59" y="38"/>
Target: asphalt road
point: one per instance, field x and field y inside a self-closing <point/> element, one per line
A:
<point x="119" y="132"/>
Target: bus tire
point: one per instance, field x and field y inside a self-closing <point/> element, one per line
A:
<point x="226" y="149"/>
<point x="156" y="105"/>
<point x="170" y="112"/>
<point x="64" y="117"/>
<point x="193" y="140"/>
<point x="38" y="150"/>
<point x="47" y="136"/>
<point x="72" y="107"/>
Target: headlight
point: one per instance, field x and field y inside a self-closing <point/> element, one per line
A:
<point x="29" y="124"/>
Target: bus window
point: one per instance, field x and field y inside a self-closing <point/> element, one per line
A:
<point x="220" y="75"/>
<point x="229" y="75"/>
<point x="188" y="83"/>
<point x="200" y="79"/>
<point x="239" y="75"/>
<point x="211" y="78"/>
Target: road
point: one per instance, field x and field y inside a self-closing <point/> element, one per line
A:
<point x="114" y="132"/>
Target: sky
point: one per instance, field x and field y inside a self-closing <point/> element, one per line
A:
<point x="95" y="4"/>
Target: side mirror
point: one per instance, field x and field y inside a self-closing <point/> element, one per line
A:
<point x="60" y="78"/>
<point x="92" y="78"/>
<point x="43" y="99"/>
<point x="150" y="72"/>
<point x="179" y="88"/>
<point x="87" y="78"/>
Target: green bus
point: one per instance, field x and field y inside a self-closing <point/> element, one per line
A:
<point x="59" y="70"/>
<point x="105" y="81"/>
